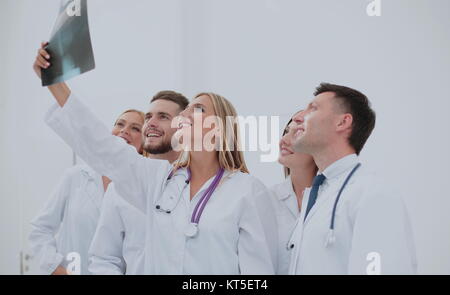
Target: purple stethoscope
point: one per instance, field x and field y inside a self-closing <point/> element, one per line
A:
<point x="192" y="228"/>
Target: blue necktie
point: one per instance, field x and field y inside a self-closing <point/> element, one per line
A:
<point x="318" y="180"/>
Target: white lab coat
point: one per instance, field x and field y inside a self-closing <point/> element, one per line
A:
<point x="68" y="220"/>
<point x="287" y="212"/>
<point x="118" y="244"/>
<point x="372" y="233"/>
<point x="233" y="237"/>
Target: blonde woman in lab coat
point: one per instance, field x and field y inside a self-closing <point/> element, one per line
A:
<point x="66" y="224"/>
<point x="299" y="170"/>
<point x="205" y="213"/>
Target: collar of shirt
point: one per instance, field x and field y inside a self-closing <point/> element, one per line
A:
<point x="181" y="175"/>
<point x="340" y="166"/>
<point x="89" y="172"/>
<point x="95" y="192"/>
<point x="289" y="197"/>
<point x="334" y="177"/>
<point x="337" y="169"/>
<point x="180" y="172"/>
<point x="286" y="189"/>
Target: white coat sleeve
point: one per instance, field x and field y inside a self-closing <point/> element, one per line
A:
<point x="45" y="226"/>
<point x="107" y="154"/>
<point x="256" y="251"/>
<point x="106" y="251"/>
<point x="382" y="237"/>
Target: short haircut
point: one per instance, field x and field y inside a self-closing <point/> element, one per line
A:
<point x="172" y="96"/>
<point x="358" y="105"/>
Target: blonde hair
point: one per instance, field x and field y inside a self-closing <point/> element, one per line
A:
<point x="142" y="115"/>
<point x="230" y="155"/>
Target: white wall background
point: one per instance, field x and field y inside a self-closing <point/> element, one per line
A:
<point x="266" y="56"/>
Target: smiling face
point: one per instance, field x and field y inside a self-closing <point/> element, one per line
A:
<point x="192" y="122"/>
<point x="158" y="131"/>
<point x="209" y="124"/>
<point x="317" y="127"/>
<point x="288" y="157"/>
<point x="129" y="127"/>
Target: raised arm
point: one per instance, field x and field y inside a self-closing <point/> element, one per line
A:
<point x="60" y="91"/>
<point x="91" y="140"/>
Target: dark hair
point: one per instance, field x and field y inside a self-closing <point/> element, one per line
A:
<point x="358" y="105"/>
<point x="172" y="96"/>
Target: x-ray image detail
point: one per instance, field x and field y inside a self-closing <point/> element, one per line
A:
<point x="70" y="46"/>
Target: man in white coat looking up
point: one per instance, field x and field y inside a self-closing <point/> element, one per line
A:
<point x="119" y="242"/>
<point x="352" y="222"/>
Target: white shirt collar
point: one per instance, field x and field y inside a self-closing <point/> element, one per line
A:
<point x="340" y="166"/>
<point x="89" y="171"/>
<point x="183" y="171"/>
<point x="286" y="189"/>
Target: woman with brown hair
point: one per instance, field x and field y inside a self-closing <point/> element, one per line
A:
<point x="299" y="171"/>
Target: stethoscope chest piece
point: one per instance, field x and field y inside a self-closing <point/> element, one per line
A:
<point x="191" y="230"/>
<point x="330" y="238"/>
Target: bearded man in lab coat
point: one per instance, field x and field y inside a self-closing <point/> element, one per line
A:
<point x="119" y="241"/>
<point x="352" y="223"/>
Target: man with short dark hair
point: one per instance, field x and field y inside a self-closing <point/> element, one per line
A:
<point x="351" y="223"/>
<point x="157" y="130"/>
<point x="119" y="241"/>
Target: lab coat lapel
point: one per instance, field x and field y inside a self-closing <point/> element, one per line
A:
<point x="319" y="203"/>
<point x="172" y="192"/>
<point x="288" y="202"/>
<point x="93" y="187"/>
<point x="200" y="192"/>
<point x="287" y="196"/>
<point x="331" y="195"/>
<point x="333" y="171"/>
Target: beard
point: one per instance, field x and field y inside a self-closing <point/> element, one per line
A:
<point x="301" y="145"/>
<point x="162" y="148"/>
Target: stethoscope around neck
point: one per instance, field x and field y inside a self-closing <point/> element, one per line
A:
<point x="331" y="237"/>
<point x="191" y="229"/>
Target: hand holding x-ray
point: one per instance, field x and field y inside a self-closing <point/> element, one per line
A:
<point x="70" y="47"/>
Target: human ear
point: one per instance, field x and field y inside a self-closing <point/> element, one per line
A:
<point x="345" y="121"/>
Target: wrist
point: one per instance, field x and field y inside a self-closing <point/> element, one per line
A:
<point x="61" y="92"/>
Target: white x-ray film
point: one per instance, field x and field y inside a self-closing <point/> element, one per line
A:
<point x="70" y="44"/>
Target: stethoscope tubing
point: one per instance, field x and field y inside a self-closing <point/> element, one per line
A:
<point x="333" y="214"/>
<point x="198" y="210"/>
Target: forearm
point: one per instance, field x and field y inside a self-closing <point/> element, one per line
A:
<point x="93" y="142"/>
